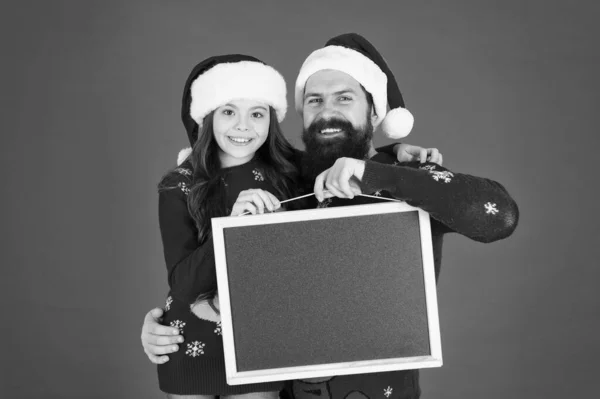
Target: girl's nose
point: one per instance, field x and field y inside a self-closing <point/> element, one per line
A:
<point x="242" y="127"/>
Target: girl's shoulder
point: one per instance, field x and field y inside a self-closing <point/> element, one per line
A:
<point x="178" y="178"/>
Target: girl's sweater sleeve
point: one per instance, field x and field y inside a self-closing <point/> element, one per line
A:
<point x="190" y="265"/>
<point x="475" y="207"/>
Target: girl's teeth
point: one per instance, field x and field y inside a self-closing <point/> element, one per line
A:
<point x="239" y="140"/>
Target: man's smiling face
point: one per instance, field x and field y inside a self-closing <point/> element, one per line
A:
<point x="331" y="95"/>
<point x="337" y="119"/>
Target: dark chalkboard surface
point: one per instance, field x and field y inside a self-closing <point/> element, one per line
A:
<point x="326" y="292"/>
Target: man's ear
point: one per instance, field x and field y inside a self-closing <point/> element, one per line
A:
<point x="373" y="116"/>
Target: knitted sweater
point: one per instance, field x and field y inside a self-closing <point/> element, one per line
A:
<point x="198" y="367"/>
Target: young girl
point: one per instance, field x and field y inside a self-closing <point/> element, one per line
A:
<point x="232" y="107"/>
<point x="240" y="161"/>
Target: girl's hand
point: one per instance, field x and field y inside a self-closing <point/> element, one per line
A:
<point x="409" y="153"/>
<point x="255" y="201"/>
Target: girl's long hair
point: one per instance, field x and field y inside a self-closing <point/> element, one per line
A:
<point x="207" y="197"/>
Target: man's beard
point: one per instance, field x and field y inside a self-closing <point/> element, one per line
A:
<point x="322" y="152"/>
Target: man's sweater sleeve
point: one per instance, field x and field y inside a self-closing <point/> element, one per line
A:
<point x="190" y="266"/>
<point x="475" y="207"/>
<point x="388" y="149"/>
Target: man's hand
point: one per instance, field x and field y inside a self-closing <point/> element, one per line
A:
<point x="339" y="180"/>
<point x="158" y="339"/>
<point x="410" y="153"/>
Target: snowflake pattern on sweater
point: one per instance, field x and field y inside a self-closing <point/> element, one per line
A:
<point x="195" y="348"/>
<point x="184" y="171"/>
<point x="178" y="324"/>
<point x="184" y="187"/>
<point x="388" y="391"/>
<point x="444" y="176"/>
<point x="491" y="208"/>
<point x="258" y="175"/>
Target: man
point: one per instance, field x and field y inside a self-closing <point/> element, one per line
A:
<point x="342" y="93"/>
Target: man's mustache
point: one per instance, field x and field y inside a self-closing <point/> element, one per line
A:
<point x="332" y="123"/>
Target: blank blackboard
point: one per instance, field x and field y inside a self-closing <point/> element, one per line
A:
<point x="326" y="292"/>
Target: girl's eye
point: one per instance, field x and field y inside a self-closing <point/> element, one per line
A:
<point x="257" y="115"/>
<point x="227" y="112"/>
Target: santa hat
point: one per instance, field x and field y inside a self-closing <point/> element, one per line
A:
<point x="219" y="79"/>
<point x="353" y="54"/>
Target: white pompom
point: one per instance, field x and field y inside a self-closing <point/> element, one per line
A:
<point x="183" y="154"/>
<point x="397" y="123"/>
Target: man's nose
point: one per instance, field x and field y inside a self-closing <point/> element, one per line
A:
<point x="328" y="104"/>
<point x="328" y="110"/>
<point x="331" y="112"/>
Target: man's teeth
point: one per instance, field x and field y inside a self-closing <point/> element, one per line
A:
<point x="331" y="130"/>
<point x="239" y="139"/>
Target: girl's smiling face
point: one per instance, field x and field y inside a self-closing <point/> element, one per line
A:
<point x="240" y="128"/>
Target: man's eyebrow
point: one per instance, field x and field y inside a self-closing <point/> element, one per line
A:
<point x="311" y="94"/>
<point x="337" y="93"/>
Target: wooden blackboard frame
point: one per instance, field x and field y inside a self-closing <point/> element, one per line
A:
<point x="236" y="377"/>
